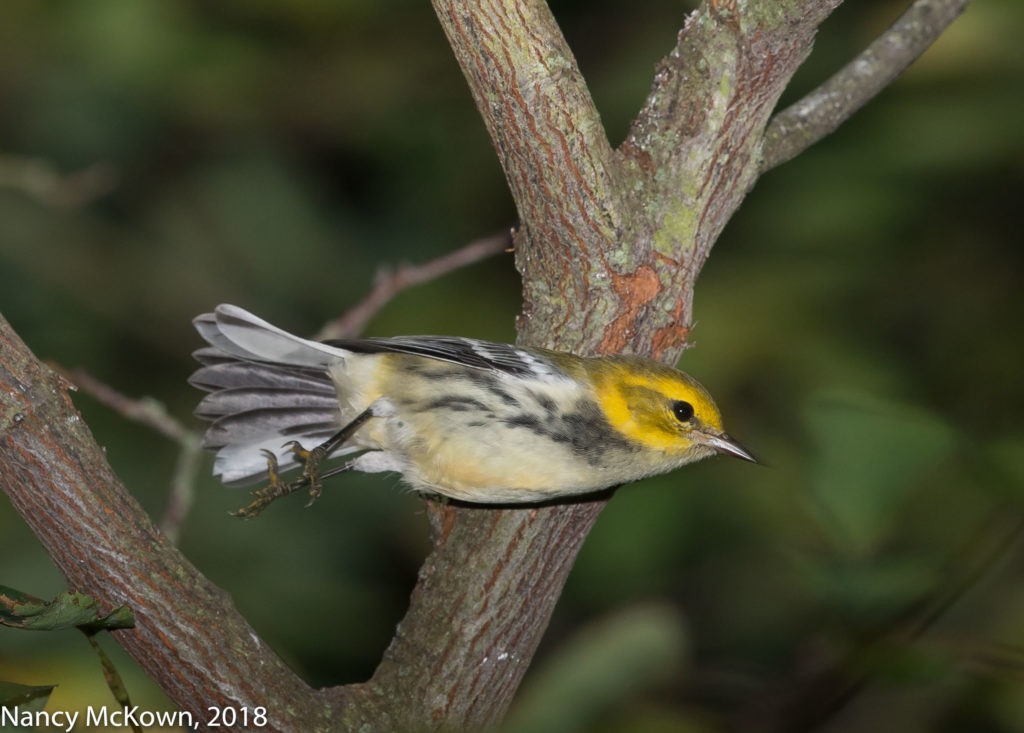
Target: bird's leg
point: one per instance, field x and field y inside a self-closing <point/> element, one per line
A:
<point x="264" y="496"/>
<point x="310" y="460"/>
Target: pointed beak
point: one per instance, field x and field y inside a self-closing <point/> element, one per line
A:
<point x="726" y="445"/>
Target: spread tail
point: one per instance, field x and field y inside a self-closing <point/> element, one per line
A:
<point x="266" y="387"/>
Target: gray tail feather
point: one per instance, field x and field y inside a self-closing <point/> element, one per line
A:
<point x="254" y="405"/>
<point x="238" y="333"/>
<point x="262" y="406"/>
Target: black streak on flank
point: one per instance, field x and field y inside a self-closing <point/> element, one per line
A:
<point x="546" y="403"/>
<point x="504" y="397"/>
<point x="489" y="382"/>
<point x="456" y="404"/>
<point x="526" y="421"/>
<point x="583" y="430"/>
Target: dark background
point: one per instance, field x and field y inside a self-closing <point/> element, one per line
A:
<point x="859" y="323"/>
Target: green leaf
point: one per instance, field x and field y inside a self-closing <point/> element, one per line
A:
<point x="113" y="678"/>
<point x="66" y="611"/>
<point x="868" y="592"/>
<point x="1007" y="455"/>
<point x="27" y="698"/>
<point x="608" y="662"/>
<point x="871" y="455"/>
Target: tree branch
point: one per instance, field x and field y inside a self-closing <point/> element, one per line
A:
<point x="152" y="414"/>
<point x="599" y="266"/>
<point x="556" y="157"/>
<point x="188" y="636"/>
<point x="610" y="245"/>
<point x="804" y="123"/>
<point x="390" y="283"/>
<point x="693" y="151"/>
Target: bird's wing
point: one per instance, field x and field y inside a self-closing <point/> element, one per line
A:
<point x="468" y="352"/>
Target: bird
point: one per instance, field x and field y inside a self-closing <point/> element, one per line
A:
<point x="471" y="420"/>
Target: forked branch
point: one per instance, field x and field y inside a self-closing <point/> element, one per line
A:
<point x="610" y="245"/>
<point x="804" y="123"/>
<point x="188" y="635"/>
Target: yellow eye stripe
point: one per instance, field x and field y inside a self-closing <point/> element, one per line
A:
<point x="639" y="405"/>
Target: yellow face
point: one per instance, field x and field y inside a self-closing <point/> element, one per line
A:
<point x="659" y="407"/>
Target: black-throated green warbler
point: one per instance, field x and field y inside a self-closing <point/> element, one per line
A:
<point x="473" y="420"/>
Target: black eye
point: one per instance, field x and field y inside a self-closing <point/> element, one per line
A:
<point x="682" y="410"/>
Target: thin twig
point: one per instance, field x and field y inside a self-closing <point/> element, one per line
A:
<point x="389" y="283"/>
<point x="804" y="123"/>
<point x="151" y="413"/>
<point x="183" y="487"/>
<point x="146" y="411"/>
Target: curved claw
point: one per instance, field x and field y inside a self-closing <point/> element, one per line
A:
<point x="297" y="450"/>
<point x="311" y="475"/>
<point x="271" y="466"/>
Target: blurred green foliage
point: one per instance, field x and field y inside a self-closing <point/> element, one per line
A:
<point x="858" y="322"/>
